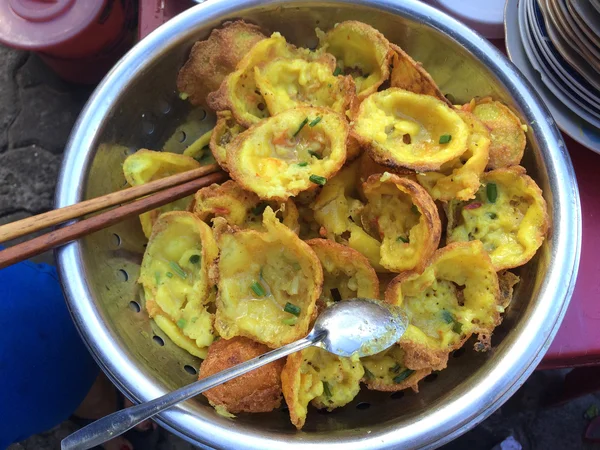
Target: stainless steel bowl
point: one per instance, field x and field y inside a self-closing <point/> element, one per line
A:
<point x="137" y="106"/>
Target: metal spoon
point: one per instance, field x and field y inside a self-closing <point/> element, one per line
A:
<point x="360" y="326"/>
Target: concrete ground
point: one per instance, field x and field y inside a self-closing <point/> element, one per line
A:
<point x="37" y="112"/>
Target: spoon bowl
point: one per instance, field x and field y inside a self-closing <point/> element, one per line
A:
<point x="361" y="326"/>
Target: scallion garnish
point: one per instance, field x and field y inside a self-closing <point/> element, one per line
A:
<point x="181" y="323"/>
<point x="290" y="321"/>
<point x="315" y="121"/>
<point x="292" y="309"/>
<point x="402" y="238"/>
<point x="326" y="389"/>
<point x="318" y="179"/>
<point x="258" y="289"/>
<point x="337" y="71"/>
<point x="304" y="122"/>
<point x="177" y="269"/>
<point x="492" y="216"/>
<point x="457" y="327"/>
<point x="315" y="154"/>
<point x="169" y="274"/>
<point x="445" y="138"/>
<point x="302" y="164"/>
<point x="492" y="192"/>
<point x="403" y="376"/>
<point x="396" y="368"/>
<point x="195" y="259"/>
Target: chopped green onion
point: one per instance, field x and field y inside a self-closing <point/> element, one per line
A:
<point x="492" y="192"/>
<point x="447" y="316"/>
<point x="169" y="274"/>
<point x="292" y="309"/>
<point x="445" y="138"/>
<point x="181" y="323"/>
<point x="396" y="368"/>
<point x="258" y="289"/>
<point x="290" y="321"/>
<point x="368" y="373"/>
<point x="326" y="389"/>
<point x="318" y="179"/>
<point x="157" y="277"/>
<point x="302" y="164"/>
<point x="402" y="238"/>
<point x="177" y="269"/>
<point x="296" y="266"/>
<point x="457" y="328"/>
<point x="259" y="208"/>
<point x="403" y="376"/>
<point x="194" y="319"/>
<point x="492" y="215"/>
<point x="315" y="121"/>
<point x="195" y="259"/>
<point x="304" y="122"/>
<point x="315" y="154"/>
<point x="337" y="71"/>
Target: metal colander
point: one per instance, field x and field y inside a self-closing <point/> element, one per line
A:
<point x="137" y="106"/>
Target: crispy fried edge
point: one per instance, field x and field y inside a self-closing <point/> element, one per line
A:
<point x="352" y="257"/>
<point x="497" y="161"/>
<point x="507" y="281"/>
<point x="224" y="37"/>
<point x="538" y="198"/>
<point x="419" y="356"/>
<point x="427" y="208"/>
<point x="220" y="227"/>
<point x="378" y="155"/>
<point x="291" y="387"/>
<point x="236" y="145"/>
<point x="419" y="76"/>
<point x="346" y="86"/>
<point x="379" y="39"/>
<point x="411" y="382"/>
<point x="257" y="400"/>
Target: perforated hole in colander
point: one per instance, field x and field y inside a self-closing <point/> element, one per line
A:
<point x="135" y="306"/>
<point x="116" y="240"/>
<point x="123" y="275"/>
<point x="158" y="340"/>
<point x="363" y="405"/>
<point x="189" y="369"/>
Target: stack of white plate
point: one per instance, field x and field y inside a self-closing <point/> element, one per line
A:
<point x="556" y="44"/>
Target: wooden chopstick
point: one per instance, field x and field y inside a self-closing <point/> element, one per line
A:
<point x="31" y="224"/>
<point x="105" y="219"/>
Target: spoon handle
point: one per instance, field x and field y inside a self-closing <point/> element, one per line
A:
<point x="117" y="423"/>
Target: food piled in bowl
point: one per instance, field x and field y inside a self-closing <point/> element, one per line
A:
<point x="352" y="175"/>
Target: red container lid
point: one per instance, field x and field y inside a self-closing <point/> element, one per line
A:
<point x="42" y="24"/>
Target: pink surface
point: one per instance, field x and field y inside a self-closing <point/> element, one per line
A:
<point x="578" y="340"/>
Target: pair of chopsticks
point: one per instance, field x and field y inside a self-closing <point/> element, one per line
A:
<point x="142" y="198"/>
